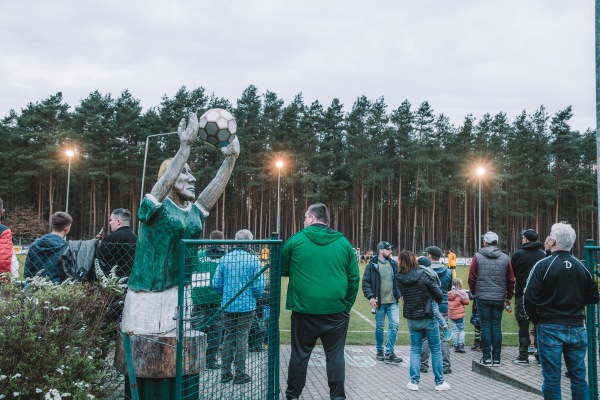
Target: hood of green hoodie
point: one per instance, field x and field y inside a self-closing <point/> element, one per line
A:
<point x="321" y="235"/>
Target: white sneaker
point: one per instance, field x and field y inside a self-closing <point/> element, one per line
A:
<point x="412" y="386"/>
<point x="443" y="386"/>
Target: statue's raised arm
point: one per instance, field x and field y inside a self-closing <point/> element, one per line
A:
<point x="187" y="136"/>
<point x="215" y="188"/>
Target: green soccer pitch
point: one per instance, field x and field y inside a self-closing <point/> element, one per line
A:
<point x="362" y="322"/>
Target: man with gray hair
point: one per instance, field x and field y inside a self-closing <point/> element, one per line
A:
<point x="557" y="290"/>
<point x="236" y="269"/>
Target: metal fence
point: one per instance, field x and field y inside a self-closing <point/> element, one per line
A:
<point x="227" y="337"/>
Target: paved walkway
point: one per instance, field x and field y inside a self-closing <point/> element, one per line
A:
<point x="367" y="378"/>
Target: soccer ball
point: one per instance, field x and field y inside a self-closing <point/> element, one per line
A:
<point x="217" y="127"/>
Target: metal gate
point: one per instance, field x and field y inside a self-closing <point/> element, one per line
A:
<point x="592" y="260"/>
<point x="228" y="319"/>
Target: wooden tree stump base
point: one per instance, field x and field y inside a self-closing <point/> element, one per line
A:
<point x="155" y="356"/>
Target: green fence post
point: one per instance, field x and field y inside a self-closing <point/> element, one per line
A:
<point x="130" y="367"/>
<point x="592" y="326"/>
<point x="179" y="315"/>
<point x="274" y="306"/>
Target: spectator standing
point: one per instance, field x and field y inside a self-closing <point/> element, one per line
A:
<point x="434" y="254"/>
<point x="555" y="296"/>
<point x="457" y="300"/>
<point x="323" y="284"/>
<point x="452" y="262"/>
<point x="419" y="291"/>
<point x="6" y="246"/>
<point x="207" y="301"/>
<point x="522" y="261"/>
<point x="381" y="289"/>
<point x="44" y="254"/>
<point x="492" y="281"/>
<point x="236" y="269"/>
<point x="117" y="249"/>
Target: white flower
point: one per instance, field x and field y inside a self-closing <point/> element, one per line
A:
<point x="38" y="390"/>
<point x="2" y="396"/>
<point x="53" y="394"/>
<point x="15" y="376"/>
<point x="2" y="377"/>
<point x="60" y="369"/>
<point x="16" y="394"/>
<point x="91" y="396"/>
<point x="66" y="394"/>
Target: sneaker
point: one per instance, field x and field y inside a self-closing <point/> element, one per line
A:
<point x="213" y="365"/>
<point x="443" y="386"/>
<point x="226" y="376"/>
<point x="521" y="361"/>
<point x="380" y="356"/>
<point x="446" y="334"/>
<point x="456" y="348"/>
<point x="447" y="371"/>
<point x="240" y="379"/>
<point x="461" y="348"/>
<point x="391" y="358"/>
<point x="496" y="363"/>
<point x="424" y="370"/>
<point x="531" y="350"/>
<point x="487" y="363"/>
<point x="412" y="386"/>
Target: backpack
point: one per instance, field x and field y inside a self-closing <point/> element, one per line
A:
<point x="77" y="260"/>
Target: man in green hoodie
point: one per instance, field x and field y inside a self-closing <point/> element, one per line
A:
<point x="322" y="289"/>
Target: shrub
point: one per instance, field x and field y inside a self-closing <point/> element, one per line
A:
<point x="54" y="339"/>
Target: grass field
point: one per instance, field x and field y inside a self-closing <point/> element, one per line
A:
<point x="362" y="322"/>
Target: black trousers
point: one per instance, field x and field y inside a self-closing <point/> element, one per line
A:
<point x="306" y="329"/>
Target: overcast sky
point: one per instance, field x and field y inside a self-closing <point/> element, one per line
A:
<point x="463" y="57"/>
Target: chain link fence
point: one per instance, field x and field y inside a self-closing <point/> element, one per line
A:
<point x="227" y="341"/>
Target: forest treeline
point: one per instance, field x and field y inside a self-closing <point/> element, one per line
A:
<point x="405" y="174"/>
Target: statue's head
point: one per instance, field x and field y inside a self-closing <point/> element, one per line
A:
<point x="184" y="187"/>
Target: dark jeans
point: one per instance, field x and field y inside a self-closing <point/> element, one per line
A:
<point x="523" y="323"/>
<point x="213" y="331"/>
<point x="235" y="341"/>
<point x="306" y="329"/>
<point x="490" y="312"/>
<point x="569" y="342"/>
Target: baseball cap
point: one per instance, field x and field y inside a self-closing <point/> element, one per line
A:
<point x="490" y="237"/>
<point x="384" y="245"/>
<point x="434" y="251"/>
<point x="530" y="235"/>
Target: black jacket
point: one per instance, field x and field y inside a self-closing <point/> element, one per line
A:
<point x="371" y="282"/>
<point x="558" y="289"/>
<point x="418" y="291"/>
<point x="523" y="260"/>
<point x="118" y="249"/>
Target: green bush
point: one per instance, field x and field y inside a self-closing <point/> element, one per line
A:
<point x="54" y="340"/>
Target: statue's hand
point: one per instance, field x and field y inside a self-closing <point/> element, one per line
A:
<point x="187" y="134"/>
<point x="232" y="149"/>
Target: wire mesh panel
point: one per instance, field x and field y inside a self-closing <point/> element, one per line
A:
<point x="229" y="296"/>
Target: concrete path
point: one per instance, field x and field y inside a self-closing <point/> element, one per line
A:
<point x="367" y="378"/>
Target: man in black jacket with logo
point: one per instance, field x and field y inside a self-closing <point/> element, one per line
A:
<point x="522" y="261"/>
<point x="557" y="291"/>
<point x="381" y="289"/>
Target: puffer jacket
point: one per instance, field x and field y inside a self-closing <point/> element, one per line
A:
<point x="456" y="304"/>
<point x="6" y="249"/>
<point x="418" y="291"/>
